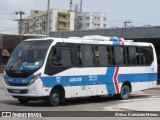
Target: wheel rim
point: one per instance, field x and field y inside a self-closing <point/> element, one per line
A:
<point x="55" y="98"/>
<point x="125" y="92"/>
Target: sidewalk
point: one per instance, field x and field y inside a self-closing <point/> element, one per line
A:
<point x="136" y="105"/>
<point x="151" y="103"/>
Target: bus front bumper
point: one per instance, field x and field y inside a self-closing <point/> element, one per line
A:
<point x="34" y="90"/>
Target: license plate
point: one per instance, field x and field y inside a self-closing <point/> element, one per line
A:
<point x="16" y="91"/>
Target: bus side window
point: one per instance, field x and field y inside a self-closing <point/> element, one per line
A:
<point x="150" y="55"/>
<point x="54" y="57"/>
<point x="112" y="55"/>
<point x="79" y="55"/>
<point x="57" y="57"/>
<point x="97" y="55"/>
<point x="138" y="56"/>
<point x="60" y="56"/>
<point x="142" y="56"/>
<point x="108" y="54"/>
<point x="66" y="57"/>
<point x="146" y="55"/>
<point x="131" y="55"/>
<point x="87" y="55"/>
<point x="119" y="56"/>
<point x="100" y="57"/>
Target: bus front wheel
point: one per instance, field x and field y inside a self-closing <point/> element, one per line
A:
<point x="54" y="99"/>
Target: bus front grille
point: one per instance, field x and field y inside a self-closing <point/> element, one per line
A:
<point x="17" y="91"/>
<point x="15" y="84"/>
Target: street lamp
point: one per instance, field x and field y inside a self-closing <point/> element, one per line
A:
<point x="48" y="18"/>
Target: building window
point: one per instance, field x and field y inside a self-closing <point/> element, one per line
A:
<point x="104" y="25"/>
<point x="87" y="18"/>
<point x="87" y="24"/>
<point x="104" y="18"/>
<point x="80" y="18"/>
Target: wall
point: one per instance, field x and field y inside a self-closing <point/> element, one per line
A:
<point x="134" y="32"/>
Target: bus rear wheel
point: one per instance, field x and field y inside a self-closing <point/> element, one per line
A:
<point x="124" y="94"/>
<point x="23" y="100"/>
<point x="54" y="99"/>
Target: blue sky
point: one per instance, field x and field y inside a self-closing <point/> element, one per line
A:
<point x="141" y="12"/>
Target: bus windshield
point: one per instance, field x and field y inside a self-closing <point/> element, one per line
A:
<point x="28" y="55"/>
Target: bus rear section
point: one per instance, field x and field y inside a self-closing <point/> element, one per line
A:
<point x="81" y="67"/>
<point x="105" y="69"/>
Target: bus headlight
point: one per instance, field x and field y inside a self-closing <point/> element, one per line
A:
<point x="34" y="78"/>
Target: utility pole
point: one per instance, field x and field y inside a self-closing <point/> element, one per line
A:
<point x="70" y="5"/>
<point x="20" y="23"/>
<point x="48" y="17"/>
<point x="127" y="22"/>
<point x="81" y="4"/>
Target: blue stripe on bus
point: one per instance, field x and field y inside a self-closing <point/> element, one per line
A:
<point x="137" y="77"/>
<point x="113" y="39"/>
<point x="108" y="78"/>
<point x="101" y="79"/>
<point x="116" y="43"/>
<point x="98" y="79"/>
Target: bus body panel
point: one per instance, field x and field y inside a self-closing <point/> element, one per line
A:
<point x="91" y="81"/>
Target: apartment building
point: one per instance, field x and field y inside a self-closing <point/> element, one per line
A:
<point x="90" y="20"/>
<point x="37" y="21"/>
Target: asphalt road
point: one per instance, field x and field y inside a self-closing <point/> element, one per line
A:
<point x="7" y="103"/>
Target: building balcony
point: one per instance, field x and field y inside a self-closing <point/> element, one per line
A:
<point x="64" y="12"/>
<point x="62" y="27"/>
<point x="61" y="19"/>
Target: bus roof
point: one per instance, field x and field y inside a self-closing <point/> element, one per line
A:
<point x="93" y="39"/>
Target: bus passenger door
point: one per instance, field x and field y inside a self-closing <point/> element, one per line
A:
<point x="58" y="64"/>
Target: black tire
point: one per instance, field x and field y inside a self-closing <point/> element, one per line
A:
<point x="55" y="98"/>
<point x="23" y="100"/>
<point x="125" y="93"/>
